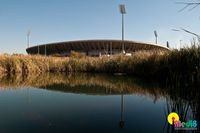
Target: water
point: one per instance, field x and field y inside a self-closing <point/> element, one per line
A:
<point x="84" y="103"/>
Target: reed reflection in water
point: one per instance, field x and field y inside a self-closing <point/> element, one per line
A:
<point x="91" y="103"/>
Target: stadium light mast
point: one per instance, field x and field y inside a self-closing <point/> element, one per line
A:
<point x="45" y="50"/>
<point x="38" y="49"/>
<point x="156" y="36"/>
<point x="122" y="11"/>
<point x="28" y="38"/>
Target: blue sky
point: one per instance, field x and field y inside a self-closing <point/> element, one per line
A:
<point x="65" y="20"/>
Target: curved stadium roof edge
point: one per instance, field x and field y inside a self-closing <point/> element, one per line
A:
<point x="92" y="40"/>
<point x="93" y="47"/>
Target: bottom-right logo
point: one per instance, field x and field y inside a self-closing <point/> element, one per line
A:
<point x="173" y="119"/>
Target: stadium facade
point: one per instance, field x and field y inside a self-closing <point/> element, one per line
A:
<point x="94" y="47"/>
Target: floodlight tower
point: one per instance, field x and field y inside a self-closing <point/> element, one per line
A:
<point x="122" y="11"/>
<point x="28" y="38"/>
<point x="45" y="50"/>
<point x="156" y="36"/>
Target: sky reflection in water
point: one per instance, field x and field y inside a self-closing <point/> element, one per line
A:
<point x="81" y="103"/>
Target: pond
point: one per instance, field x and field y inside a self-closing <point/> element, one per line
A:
<point x="92" y="103"/>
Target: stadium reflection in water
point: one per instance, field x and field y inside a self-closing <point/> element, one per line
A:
<point x="91" y="103"/>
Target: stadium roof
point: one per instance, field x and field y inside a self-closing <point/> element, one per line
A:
<point x="86" y="46"/>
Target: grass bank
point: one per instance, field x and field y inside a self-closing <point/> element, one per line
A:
<point x="177" y="65"/>
<point x="13" y="64"/>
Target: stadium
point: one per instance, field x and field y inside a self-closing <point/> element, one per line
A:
<point x="94" y="47"/>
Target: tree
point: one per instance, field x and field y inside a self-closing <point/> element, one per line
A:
<point x="190" y="5"/>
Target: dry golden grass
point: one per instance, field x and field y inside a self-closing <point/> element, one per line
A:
<point x="161" y="65"/>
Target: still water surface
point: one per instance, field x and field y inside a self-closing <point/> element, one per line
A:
<point x="83" y="103"/>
